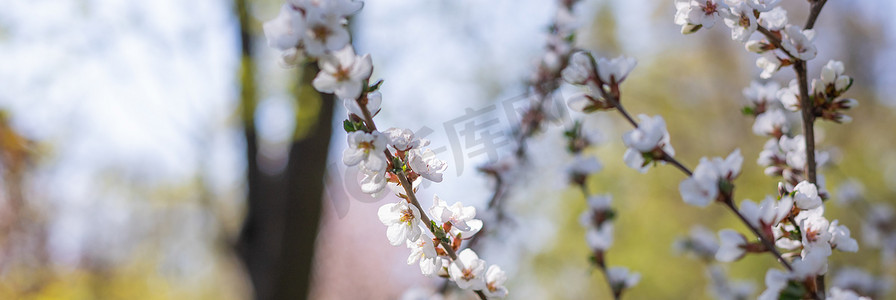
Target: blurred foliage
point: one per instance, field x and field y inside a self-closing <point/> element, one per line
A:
<point x="695" y="84"/>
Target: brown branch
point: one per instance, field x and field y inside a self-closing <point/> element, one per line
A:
<point x="409" y="191"/>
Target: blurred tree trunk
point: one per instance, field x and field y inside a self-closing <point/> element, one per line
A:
<point x="277" y="240"/>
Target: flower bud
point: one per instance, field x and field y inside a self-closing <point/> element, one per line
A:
<point x="843" y="82"/>
<point x="846" y="103"/>
<point x="841" y="118"/>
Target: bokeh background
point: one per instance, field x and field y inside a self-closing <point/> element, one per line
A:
<point x="155" y="149"/>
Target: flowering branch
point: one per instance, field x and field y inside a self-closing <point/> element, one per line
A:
<point x="317" y="29"/>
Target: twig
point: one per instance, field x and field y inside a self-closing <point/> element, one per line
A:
<point x="409" y="191"/>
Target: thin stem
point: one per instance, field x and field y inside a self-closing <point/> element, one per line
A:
<point x="814" y="10"/>
<point x="807" y="109"/>
<point x="767" y="243"/>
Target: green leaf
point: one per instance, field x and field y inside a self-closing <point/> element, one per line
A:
<point x="349" y="126"/>
<point x="747" y="111"/>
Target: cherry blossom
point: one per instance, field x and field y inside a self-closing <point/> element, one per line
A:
<point x="769" y="63"/>
<point x="462" y="218"/>
<point x="366" y="149"/>
<point x="731" y="245"/>
<point x="403" y="221"/>
<point x="840" y="238"/>
<point x="767" y="213"/>
<point x="425" y="163"/>
<point x="702" y="187"/>
<point x="774" y="19"/>
<point x="494" y="282"/>
<point x="374" y="100"/>
<point x="798" y="42"/>
<point x="651" y="135"/>
<point x="695" y="14"/>
<point x="468" y="271"/>
<point x="843" y="294"/>
<point x="775" y="282"/>
<point x="579" y="69"/>
<point x="614" y="71"/>
<point x="621" y="278"/>
<point x="763" y="5"/>
<point x="343" y="73"/>
<point x="600" y="238"/>
<point x="762" y="96"/>
<point x="404" y="139"/>
<point x="742" y="22"/>
<point x="771" y="123"/>
<point x="286" y="30"/>
<point x="806" y="196"/>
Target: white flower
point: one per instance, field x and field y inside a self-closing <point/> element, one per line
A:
<point x="324" y="33"/>
<point x="579" y="69"/>
<point x="584" y="165"/>
<point x="404" y="139"/>
<point x="790" y="96"/>
<point x="763" y="5"/>
<point x="762" y="95"/>
<point x="650" y="135"/>
<point x="374" y="100"/>
<point x="723" y="289"/>
<point x="782" y="237"/>
<point x="425" y="163"/>
<point x="798" y="42"/>
<point x="403" y="221"/>
<point x="731" y="245"/>
<point x="620" y="278"/>
<point x="699" y="241"/>
<point x="771" y="154"/>
<point x="806" y="196"/>
<point x="843" y="294"/>
<point x="775" y="282"/>
<point x="462" y="218"/>
<point x="769" y="63"/>
<point x="433" y="266"/>
<point x="860" y="281"/>
<point x="742" y="22"/>
<point x="768" y="213"/>
<point x="774" y="19"/>
<point x="703" y="186"/>
<point x="285" y="31"/>
<point x="832" y="75"/>
<point x="373" y="181"/>
<point x="600" y="239"/>
<point x="599" y="202"/>
<point x="695" y="14"/>
<point x="367" y="148"/>
<point x="840" y="238"/>
<point x="813" y="262"/>
<point x="771" y="123"/>
<point x="422" y="248"/>
<point x="614" y="71"/>
<point x="291" y="57"/>
<point x="468" y="270"/>
<point x="494" y="282"/>
<point x="343" y="73"/>
<point x="850" y="191"/>
<point x="814" y="227"/>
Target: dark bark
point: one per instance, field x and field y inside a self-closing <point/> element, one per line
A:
<point x="276" y="244"/>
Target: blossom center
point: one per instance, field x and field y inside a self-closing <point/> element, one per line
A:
<point x="407" y="216"/>
<point x="812" y="235"/>
<point x="468" y="274"/>
<point x="709" y="8"/>
<point x="321" y="32"/>
<point x="491" y="287"/>
<point x="744" y="21"/>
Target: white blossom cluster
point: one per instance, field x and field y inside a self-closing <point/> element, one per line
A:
<point x="598" y="218"/>
<point x="316" y="30"/>
<point x="796" y="222"/>
<point x="746" y="17"/>
<point x="649" y="142"/>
